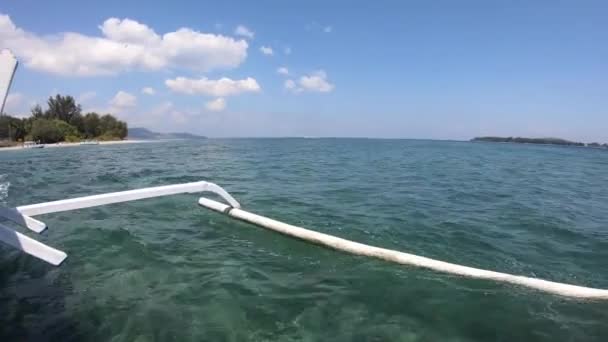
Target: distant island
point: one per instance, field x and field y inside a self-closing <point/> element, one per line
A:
<point x="543" y="141"/>
<point x="140" y="133"/>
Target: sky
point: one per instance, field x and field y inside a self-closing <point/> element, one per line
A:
<point x="386" y="69"/>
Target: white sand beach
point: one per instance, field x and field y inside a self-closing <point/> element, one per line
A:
<point x="65" y="144"/>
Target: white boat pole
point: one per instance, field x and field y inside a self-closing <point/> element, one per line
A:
<point x="53" y="256"/>
<point x="31" y="246"/>
<point x="8" y="66"/>
<point x="125" y="196"/>
<point x="356" y="248"/>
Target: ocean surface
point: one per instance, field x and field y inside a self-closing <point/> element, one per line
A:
<point x="168" y="270"/>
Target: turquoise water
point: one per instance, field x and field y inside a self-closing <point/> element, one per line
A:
<point x="167" y="270"/>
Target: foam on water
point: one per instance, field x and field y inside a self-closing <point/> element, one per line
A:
<point x="4" y="185"/>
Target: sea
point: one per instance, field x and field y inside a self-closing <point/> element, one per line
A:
<point x="166" y="269"/>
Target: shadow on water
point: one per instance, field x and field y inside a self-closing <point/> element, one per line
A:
<point x="33" y="300"/>
<point x="32" y="295"/>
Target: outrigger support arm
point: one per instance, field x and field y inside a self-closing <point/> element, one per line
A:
<point x="32" y="247"/>
<point x="23" y="220"/>
<point x="125" y="196"/>
<point x="21" y="215"/>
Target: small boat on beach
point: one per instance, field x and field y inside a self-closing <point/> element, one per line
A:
<point x="89" y="142"/>
<point x="32" y="144"/>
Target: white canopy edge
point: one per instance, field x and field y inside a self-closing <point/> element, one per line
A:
<point x="32" y="247"/>
<point x="356" y="248"/>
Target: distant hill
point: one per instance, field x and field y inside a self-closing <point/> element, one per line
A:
<point x="140" y="133"/>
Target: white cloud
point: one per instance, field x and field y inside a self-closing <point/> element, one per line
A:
<point x="315" y="82"/>
<point x="204" y="86"/>
<point x="179" y="117"/>
<point x="291" y="85"/>
<point x="161" y="109"/>
<point x="19" y="105"/>
<point x="267" y="50"/>
<point x="148" y="91"/>
<point x="163" y="116"/>
<point x="244" y="32"/>
<point x="216" y="105"/>
<point x="123" y="100"/>
<point x="124" y="45"/>
<point x="128" y="31"/>
<point x="287" y="50"/>
<point x="283" y="71"/>
<point x="86" y="96"/>
<point x="315" y="26"/>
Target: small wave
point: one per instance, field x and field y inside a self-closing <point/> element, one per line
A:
<point x="4" y="185"/>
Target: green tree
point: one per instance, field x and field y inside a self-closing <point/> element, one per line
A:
<point x="63" y="108"/>
<point x="52" y="131"/>
<point x="109" y="126"/>
<point x="66" y="129"/>
<point x="62" y="120"/>
<point x="91" y="125"/>
<point x="37" y="112"/>
<point x="78" y="122"/>
<point x="45" y="131"/>
<point x="12" y="128"/>
<point x="5" y="127"/>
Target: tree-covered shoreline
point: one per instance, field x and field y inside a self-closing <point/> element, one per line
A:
<point x="62" y="120"/>
<point x="543" y="141"/>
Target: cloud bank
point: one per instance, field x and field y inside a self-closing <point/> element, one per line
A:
<point x="124" y="45"/>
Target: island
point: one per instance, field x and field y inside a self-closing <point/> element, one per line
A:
<point x="543" y="141"/>
<point x="61" y="121"/>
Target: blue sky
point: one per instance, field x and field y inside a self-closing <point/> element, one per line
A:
<point x="400" y="69"/>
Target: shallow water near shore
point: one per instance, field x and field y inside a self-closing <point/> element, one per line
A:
<point x="168" y="270"/>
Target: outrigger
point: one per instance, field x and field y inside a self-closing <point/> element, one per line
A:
<point x="22" y="216"/>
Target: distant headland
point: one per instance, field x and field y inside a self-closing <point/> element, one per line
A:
<point x="140" y="133"/>
<point x="543" y="141"/>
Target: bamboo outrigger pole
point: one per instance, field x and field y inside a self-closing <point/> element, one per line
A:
<point x="402" y="258"/>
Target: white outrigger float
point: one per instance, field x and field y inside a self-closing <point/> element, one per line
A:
<point x="22" y="216"/>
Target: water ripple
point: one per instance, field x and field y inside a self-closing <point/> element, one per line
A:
<point x="165" y="269"/>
